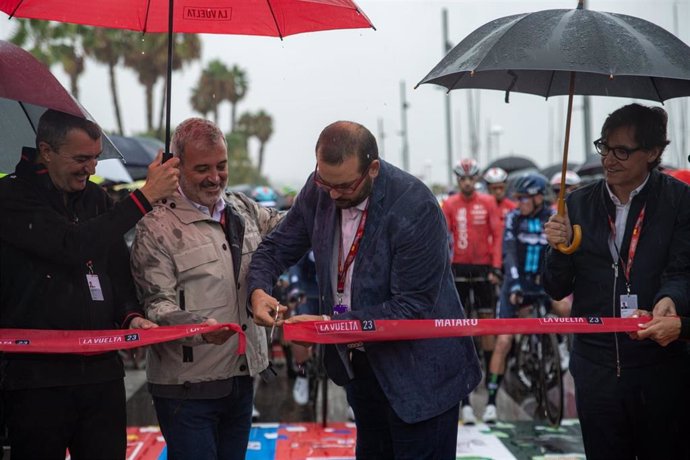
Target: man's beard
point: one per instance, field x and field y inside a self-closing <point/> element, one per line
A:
<point x="363" y="194"/>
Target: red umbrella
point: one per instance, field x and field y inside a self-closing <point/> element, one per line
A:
<point x="274" y="18"/>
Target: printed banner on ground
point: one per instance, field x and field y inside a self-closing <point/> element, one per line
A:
<point x="90" y="342"/>
<point x="352" y="331"/>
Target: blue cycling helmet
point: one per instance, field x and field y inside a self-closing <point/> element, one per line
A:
<point x="265" y="196"/>
<point x="531" y="184"/>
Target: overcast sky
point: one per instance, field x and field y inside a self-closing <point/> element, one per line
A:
<point x="308" y="81"/>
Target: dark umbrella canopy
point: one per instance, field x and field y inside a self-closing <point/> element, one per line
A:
<point x="512" y="163"/>
<point x="138" y="153"/>
<point x="613" y="55"/>
<point x="27" y="89"/>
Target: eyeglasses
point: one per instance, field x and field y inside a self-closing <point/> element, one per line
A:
<point x="621" y="153"/>
<point x="340" y="188"/>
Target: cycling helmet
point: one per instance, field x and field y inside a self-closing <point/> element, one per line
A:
<point x="265" y="196"/>
<point x="495" y="176"/>
<point x="531" y="184"/>
<point x="466" y="167"/>
<point x="571" y="178"/>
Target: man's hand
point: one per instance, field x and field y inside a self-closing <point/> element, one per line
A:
<point x="558" y="230"/>
<point x="661" y="329"/>
<point x="516" y="298"/>
<point x="141" y="323"/>
<point x="664" y="307"/>
<point x="494" y="278"/>
<point x="267" y="310"/>
<point x="218" y="337"/>
<point x="638" y="314"/>
<point x="162" y="179"/>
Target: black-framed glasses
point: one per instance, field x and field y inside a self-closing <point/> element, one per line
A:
<point x="621" y="153"/>
<point x="345" y="189"/>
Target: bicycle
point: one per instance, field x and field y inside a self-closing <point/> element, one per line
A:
<point x="536" y="361"/>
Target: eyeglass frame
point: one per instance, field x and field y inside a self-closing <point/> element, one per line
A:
<point x="600" y="144"/>
<point x="345" y="189"/>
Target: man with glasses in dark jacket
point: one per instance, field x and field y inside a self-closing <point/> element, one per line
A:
<point x="65" y="266"/>
<point x="632" y="396"/>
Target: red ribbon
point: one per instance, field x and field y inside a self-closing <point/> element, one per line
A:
<point x="349" y="331"/>
<point x="90" y="342"/>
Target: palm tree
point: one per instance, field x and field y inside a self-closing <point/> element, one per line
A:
<point x="148" y="58"/>
<point x="109" y="46"/>
<point x="237" y="90"/>
<point x="211" y="90"/>
<point x="259" y="125"/>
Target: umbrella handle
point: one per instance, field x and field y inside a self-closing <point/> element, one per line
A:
<point x="577" y="230"/>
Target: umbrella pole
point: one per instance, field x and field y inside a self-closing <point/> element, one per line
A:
<point x="577" y="233"/>
<point x="168" y="87"/>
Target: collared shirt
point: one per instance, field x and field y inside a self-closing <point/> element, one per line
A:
<point x="217" y="209"/>
<point x="349" y="221"/>
<point x="622" y="211"/>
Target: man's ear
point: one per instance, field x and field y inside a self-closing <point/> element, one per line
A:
<point x="374" y="168"/>
<point x="44" y="152"/>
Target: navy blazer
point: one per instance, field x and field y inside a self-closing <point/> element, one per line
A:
<point x="402" y="271"/>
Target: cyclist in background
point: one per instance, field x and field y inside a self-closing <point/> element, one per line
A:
<point x="474" y="223"/>
<point x="497" y="184"/>
<point x="572" y="182"/>
<point x="524" y="246"/>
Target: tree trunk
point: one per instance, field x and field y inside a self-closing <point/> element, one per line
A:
<point x="149" y="107"/>
<point x="215" y="114"/>
<point x="260" y="160"/>
<point x="233" y="116"/>
<point x="116" y="101"/>
<point x="74" y="87"/>
<point x="161" y="116"/>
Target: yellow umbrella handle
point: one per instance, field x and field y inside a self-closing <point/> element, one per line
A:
<point x="577" y="230"/>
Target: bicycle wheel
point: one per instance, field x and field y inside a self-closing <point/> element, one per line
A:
<point x="527" y="363"/>
<point x="551" y="380"/>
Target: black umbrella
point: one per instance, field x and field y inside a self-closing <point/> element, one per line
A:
<point x="512" y="163"/>
<point x="138" y="153"/>
<point x="559" y="52"/>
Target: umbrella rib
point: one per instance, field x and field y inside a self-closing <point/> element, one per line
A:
<point x="656" y="90"/>
<point x="548" y="89"/>
<point x="146" y="17"/>
<point x="275" y="21"/>
<point x="31" y="122"/>
<point x="16" y="8"/>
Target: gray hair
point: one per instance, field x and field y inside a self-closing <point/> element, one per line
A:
<point x="195" y="130"/>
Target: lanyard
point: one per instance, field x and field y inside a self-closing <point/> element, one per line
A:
<point x="637" y="229"/>
<point x="344" y="266"/>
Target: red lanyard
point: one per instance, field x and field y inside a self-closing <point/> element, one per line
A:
<point x="637" y="229"/>
<point x="343" y="267"/>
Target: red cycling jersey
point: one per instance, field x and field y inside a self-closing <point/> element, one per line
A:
<point x="476" y="228"/>
<point x="505" y="206"/>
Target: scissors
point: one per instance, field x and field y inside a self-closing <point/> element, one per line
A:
<point x="273" y="328"/>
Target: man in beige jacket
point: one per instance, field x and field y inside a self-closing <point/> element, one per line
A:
<point x="189" y="261"/>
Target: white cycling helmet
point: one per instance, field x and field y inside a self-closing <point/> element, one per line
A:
<point x="571" y="178"/>
<point x="495" y="176"/>
<point x="466" y="167"/>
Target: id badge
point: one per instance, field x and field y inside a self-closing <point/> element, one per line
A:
<point x="94" y="287"/>
<point x="628" y="305"/>
<point x="340" y="309"/>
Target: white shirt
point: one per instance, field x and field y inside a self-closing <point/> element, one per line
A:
<point x="622" y="211"/>
<point x="349" y="221"/>
<point x="217" y="209"/>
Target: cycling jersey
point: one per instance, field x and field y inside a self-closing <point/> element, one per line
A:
<point x="505" y="206"/>
<point x="524" y="247"/>
<point x="475" y="227"/>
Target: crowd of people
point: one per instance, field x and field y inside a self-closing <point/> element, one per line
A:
<point x="363" y="240"/>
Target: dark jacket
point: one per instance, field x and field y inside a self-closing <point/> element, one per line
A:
<point x="47" y="248"/>
<point x="402" y="271"/>
<point x="661" y="267"/>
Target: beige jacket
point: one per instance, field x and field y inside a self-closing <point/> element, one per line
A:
<point x="185" y="270"/>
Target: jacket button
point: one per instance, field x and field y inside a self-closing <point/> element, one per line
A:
<point x="172" y="205"/>
<point x="244" y="327"/>
<point x="164" y="200"/>
<point x="243" y="368"/>
<point x="225" y="247"/>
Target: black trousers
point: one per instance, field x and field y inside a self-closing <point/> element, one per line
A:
<point x="643" y="414"/>
<point x="89" y="420"/>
